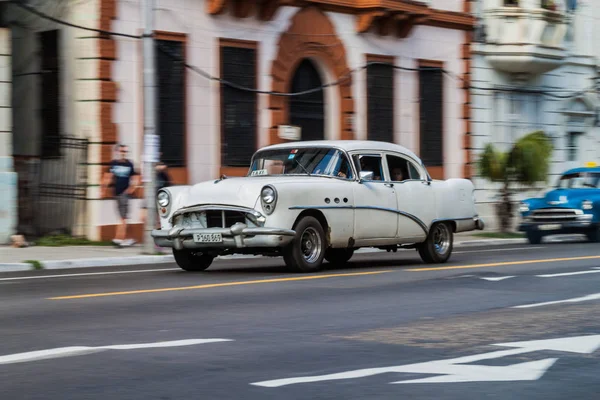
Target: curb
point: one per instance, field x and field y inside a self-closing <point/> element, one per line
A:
<point x="15" y="267"/>
<point x="491" y="242"/>
<point x="106" y="262"/>
<point x="168" y="259"/>
<point x="88" y="263"/>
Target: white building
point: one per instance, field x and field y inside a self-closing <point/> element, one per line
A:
<point x="208" y="128"/>
<point x="8" y="178"/>
<point x="529" y="60"/>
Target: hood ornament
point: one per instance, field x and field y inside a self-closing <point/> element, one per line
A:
<point x="221" y="178"/>
<point x="561" y="200"/>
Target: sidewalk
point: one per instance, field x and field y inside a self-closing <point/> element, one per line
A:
<point x="38" y="257"/>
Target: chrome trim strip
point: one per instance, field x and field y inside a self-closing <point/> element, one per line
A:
<point x="392" y="210"/>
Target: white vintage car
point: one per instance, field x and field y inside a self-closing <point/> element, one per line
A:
<point x="317" y="200"/>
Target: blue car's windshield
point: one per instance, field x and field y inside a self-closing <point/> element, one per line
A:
<point x="301" y="161"/>
<point x="580" y="180"/>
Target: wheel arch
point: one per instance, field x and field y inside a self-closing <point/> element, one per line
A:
<point x="451" y="222"/>
<point x="319" y="216"/>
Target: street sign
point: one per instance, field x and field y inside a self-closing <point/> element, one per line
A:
<point x="455" y="370"/>
<point x="151" y="148"/>
<point x="290" y="132"/>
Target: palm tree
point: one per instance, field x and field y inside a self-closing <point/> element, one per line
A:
<point x="526" y="163"/>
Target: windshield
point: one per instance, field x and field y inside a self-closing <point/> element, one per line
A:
<point x="580" y="180"/>
<point x="302" y="161"/>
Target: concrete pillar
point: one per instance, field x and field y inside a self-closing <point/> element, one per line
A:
<point x="8" y="178"/>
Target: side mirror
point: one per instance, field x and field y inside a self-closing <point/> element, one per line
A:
<point x="366" y="175"/>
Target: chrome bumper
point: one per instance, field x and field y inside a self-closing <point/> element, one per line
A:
<point x="469" y="224"/>
<point x="238" y="236"/>
<point x="582" y="222"/>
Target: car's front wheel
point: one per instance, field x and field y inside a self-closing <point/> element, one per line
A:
<point x="534" y="237"/>
<point x="192" y="261"/>
<point x="594" y="236"/>
<point x="437" y="248"/>
<point x="306" y="252"/>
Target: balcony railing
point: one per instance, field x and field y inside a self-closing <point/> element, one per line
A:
<point x="525" y="41"/>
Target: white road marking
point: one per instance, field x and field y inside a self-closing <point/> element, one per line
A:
<point x="494" y="279"/>
<point x="81" y="350"/>
<point x="573" y="300"/>
<point x="498" y="278"/>
<point x="89" y="274"/>
<point x="497" y="250"/>
<point x="453" y="372"/>
<point x="595" y="271"/>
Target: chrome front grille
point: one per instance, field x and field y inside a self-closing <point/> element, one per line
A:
<point x="556" y="215"/>
<point x="213" y="219"/>
<point x="224" y="218"/>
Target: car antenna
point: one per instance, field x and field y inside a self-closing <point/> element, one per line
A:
<point x="221" y="178"/>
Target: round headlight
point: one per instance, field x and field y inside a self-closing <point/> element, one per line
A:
<point x="162" y="199"/>
<point x="523" y="207"/>
<point x="587" y="205"/>
<point x="268" y="195"/>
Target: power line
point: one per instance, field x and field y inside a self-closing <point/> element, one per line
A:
<point x="40" y="14"/>
<point x="338" y="82"/>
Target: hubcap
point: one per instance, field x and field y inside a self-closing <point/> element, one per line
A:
<point x="310" y="245"/>
<point x="441" y="239"/>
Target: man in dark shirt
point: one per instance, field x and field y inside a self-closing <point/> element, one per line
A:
<point x="120" y="176"/>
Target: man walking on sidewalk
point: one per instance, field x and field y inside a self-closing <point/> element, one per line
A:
<point x="121" y="174"/>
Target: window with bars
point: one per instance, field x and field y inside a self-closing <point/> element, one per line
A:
<point x="50" y="93"/>
<point x="171" y="101"/>
<point x="431" y="110"/>
<point x="238" y="107"/>
<point x="573" y="146"/>
<point x="380" y="102"/>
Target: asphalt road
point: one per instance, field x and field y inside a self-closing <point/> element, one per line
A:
<point x="432" y="330"/>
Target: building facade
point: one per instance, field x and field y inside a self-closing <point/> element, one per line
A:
<point x="229" y="77"/>
<point x="535" y="67"/>
<point x="8" y="178"/>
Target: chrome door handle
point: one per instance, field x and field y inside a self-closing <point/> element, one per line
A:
<point x="389" y="185"/>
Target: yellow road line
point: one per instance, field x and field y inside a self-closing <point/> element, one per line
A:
<point x="505" y="263"/>
<point x="214" y="285"/>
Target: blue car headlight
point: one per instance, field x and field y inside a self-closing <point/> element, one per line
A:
<point x="587" y="205"/>
<point x="523" y="207"/>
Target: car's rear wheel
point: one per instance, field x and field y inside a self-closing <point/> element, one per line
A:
<point x="306" y="252"/>
<point x="339" y="256"/>
<point x="534" y="237"/>
<point x="192" y="261"/>
<point x="437" y="248"/>
<point x="594" y="236"/>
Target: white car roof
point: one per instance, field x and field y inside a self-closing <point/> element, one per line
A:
<point x="348" y="145"/>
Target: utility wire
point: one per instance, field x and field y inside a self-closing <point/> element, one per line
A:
<point x="340" y="81"/>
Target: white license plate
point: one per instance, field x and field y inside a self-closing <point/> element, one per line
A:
<point x="208" y="238"/>
<point x="550" y="227"/>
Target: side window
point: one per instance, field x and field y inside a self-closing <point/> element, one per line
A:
<point x="414" y="172"/>
<point x="369" y="167"/>
<point x="344" y="170"/>
<point x="401" y="169"/>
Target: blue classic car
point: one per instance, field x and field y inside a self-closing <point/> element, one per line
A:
<point x="573" y="206"/>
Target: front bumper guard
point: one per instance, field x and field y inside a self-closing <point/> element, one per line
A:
<point x="582" y="223"/>
<point x="238" y="236"/>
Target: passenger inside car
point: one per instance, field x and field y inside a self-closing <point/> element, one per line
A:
<point x="397" y="174"/>
<point x="371" y="164"/>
